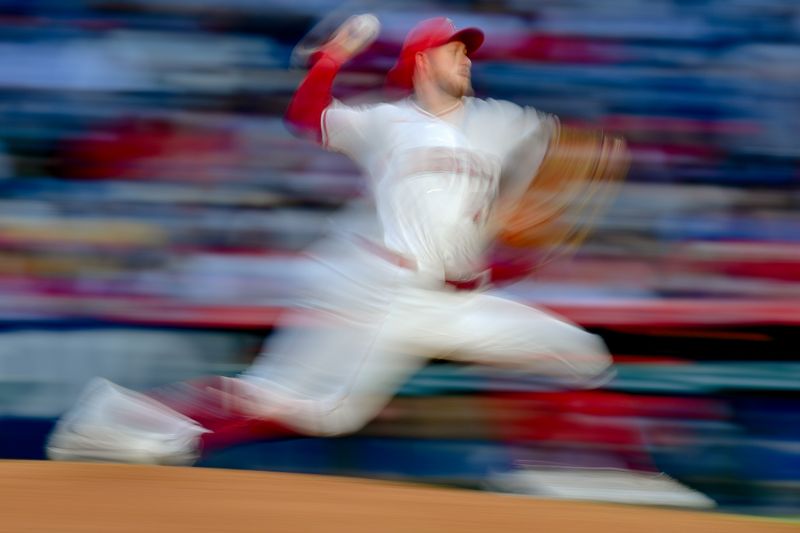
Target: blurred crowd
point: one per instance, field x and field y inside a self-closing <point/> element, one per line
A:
<point x="147" y="178"/>
<point x="144" y="154"/>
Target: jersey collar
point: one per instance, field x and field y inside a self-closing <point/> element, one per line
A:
<point x="440" y="114"/>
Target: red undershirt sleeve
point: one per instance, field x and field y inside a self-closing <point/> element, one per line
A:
<point x="313" y="96"/>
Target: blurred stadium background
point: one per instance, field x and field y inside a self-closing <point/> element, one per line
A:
<point x="153" y="207"/>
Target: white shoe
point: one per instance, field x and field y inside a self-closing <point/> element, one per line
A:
<point x="602" y="484"/>
<point x="112" y="424"/>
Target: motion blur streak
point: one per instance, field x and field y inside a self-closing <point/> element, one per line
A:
<point x="154" y="209"/>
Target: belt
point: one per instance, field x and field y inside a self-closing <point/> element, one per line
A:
<point x="390" y="256"/>
<point x="470" y="284"/>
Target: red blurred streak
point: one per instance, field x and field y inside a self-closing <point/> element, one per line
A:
<point x="661" y="313"/>
<point x="702" y="333"/>
<point x="594" y="418"/>
<point x="209" y="401"/>
<point x="777" y="270"/>
<point x="680" y="312"/>
<point x="649" y="359"/>
<point x="631" y="124"/>
<point x="18" y="21"/>
<point x="616" y="404"/>
<point x="675" y="150"/>
<point x="547" y="48"/>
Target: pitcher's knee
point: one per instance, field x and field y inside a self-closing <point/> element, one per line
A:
<point x="336" y="425"/>
<point x="331" y="419"/>
<point x="590" y="356"/>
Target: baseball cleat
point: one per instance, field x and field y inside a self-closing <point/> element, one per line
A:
<point x="602" y="484"/>
<point x="112" y="424"/>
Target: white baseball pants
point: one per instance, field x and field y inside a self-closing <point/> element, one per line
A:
<point x="376" y="324"/>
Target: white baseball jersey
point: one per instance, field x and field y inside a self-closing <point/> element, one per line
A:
<point x="434" y="177"/>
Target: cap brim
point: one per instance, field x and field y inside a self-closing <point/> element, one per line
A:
<point x="471" y="37"/>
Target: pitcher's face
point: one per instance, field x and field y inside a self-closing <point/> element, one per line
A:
<point x="450" y="68"/>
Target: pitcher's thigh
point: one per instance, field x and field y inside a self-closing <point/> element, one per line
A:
<point x="318" y="361"/>
<point x="330" y="381"/>
<point x="497" y="331"/>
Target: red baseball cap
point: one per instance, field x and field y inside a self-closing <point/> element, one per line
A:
<point x="429" y="33"/>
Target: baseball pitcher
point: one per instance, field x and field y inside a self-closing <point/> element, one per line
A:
<point x="451" y="176"/>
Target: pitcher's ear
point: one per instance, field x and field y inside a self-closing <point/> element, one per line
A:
<point x="420" y="59"/>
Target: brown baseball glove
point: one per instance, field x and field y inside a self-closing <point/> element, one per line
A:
<point x="573" y="182"/>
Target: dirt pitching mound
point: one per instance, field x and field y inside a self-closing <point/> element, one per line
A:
<point x="81" y="497"/>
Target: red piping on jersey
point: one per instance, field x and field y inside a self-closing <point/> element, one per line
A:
<point x="313" y="96"/>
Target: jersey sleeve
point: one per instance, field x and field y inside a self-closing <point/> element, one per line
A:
<point x="348" y="129"/>
<point x="313" y="96"/>
<point x="521" y="135"/>
<point x="519" y="123"/>
<point x="313" y="113"/>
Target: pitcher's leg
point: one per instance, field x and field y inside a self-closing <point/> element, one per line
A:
<point x="497" y="331"/>
<point x="331" y="380"/>
<point x="349" y="377"/>
<point x="111" y="423"/>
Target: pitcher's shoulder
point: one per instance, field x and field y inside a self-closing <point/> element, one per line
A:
<point x="493" y="106"/>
